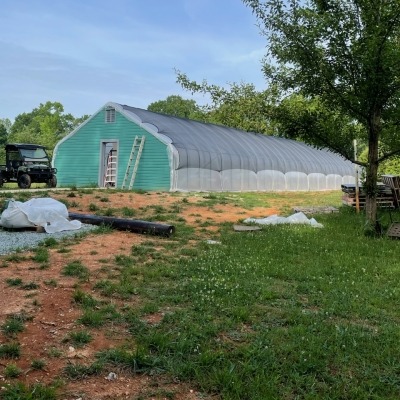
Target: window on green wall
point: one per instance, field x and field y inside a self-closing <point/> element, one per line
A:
<point x="110" y="115"/>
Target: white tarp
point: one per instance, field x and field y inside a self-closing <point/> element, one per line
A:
<point x="297" y="218"/>
<point x="46" y="212"/>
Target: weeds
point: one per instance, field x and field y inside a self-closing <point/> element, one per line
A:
<point x="50" y="242"/>
<point x="103" y="229"/>
<point x="76" y="269"/>
<point x="92" y="318"/>
<point x="51" y="282"/>
<point x="42" y="255"/>
<point x="54" y="352"/>
<point x="20" y="391"/>
<point x="12" y="371"/>
<point x="108" y="212"/>
<point x="14" y="281"/>
<point x="30" y="286"/>
<point x="93" y="207"/>
<point x="10" y="350"/>
<point x="84" y="299"/>
<point x="136" y="362"/>
<point x="17" y="258"/>
<point x="80" y="371"/>
<point x="79" y="338"/>
<point x="14" y="324"/>
<point x="128" y="212"/>
<point x="38" y="364"/>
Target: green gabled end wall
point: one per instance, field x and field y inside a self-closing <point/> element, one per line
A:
<point x="78" y="157"/>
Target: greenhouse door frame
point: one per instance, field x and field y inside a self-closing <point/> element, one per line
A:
<point x="105" y="146"/>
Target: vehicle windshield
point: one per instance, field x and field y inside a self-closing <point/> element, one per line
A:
<point x="34" y="154"/>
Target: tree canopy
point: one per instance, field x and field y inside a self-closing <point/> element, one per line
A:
<point x="240" y="106"/>
<point x="44" y="125"/>
<point x="347" y="54"/>
<point x="177" y="106"/>
<point x="3" y="139"/>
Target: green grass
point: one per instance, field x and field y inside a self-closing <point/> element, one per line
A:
<point x="17" y="258"/>
<point x="93" y="207"/>
<point x="79" y="371"/>
<point x="30" y="286"/>
<point x="10" y="350"/>
<point x="92" y="318"/>
<point x="38" y="364"/>
<point x="79" y="338"/>
<point x="54" y="352"/>
<point x="287" y="312"/>
<point x="12" y="371"/>
<point x="19" y="391"/>
<point x="128" y="212"/>
<point x="14" y="281"/>
<point x="51" y="282"/>
<point x="84" y="299"/>
<point x="42" y="254"/>
<point x="13" y="325"/>
<point x="100" y="315"/>
<point x="50" y="242"/>
<point x="136" y="362"/>
<point x="76" y="269"/>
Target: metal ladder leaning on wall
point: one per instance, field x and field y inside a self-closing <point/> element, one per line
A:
<point x="135" y="155"/>
<point x="110" y="175"/>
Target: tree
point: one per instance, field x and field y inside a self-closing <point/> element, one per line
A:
<point x="5" y="125"/>
<point x="176" y="106"/>
<point x="44" y="125"/>
<point x="3" y="141"/>
<point x="346" y="53"/>
<point x="241" y="106"/>
<point x="3" y="135"/>
<point x="297" y="116"/>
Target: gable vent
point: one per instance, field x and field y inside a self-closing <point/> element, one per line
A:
<point x="110" y="115"/>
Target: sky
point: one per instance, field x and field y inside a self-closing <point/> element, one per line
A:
<point x="85" y="53"/>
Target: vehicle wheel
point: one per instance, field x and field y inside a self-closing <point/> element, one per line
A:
<point x="24" y="181"/>
<point x="52" y="182"/>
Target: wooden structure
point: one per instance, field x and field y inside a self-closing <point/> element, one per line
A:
<point x="393" y="181"/>
<point x="384" y="197"/>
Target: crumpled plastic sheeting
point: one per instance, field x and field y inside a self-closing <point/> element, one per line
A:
<point x="297" y="218"/>
<point x="51" y="214"/>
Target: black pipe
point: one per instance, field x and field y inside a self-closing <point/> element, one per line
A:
<point x="132" y="225"/>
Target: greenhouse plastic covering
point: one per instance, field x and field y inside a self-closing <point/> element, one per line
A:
<point x="217" y="158"/>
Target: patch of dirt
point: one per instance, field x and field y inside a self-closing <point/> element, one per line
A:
<point x="52" y="314"/>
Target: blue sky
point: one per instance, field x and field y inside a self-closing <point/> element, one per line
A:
<point x="84" y="53"/>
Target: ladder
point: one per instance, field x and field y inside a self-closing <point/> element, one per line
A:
<point x="135" y="155"/>
<point x="110" y="174"/>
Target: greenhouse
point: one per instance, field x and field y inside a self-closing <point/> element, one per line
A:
<point x="184" y="155"/>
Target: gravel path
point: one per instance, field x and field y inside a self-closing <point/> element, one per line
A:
<point x="19" y="240"/>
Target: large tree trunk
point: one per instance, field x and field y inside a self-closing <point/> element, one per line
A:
<point x="372" y="169"/>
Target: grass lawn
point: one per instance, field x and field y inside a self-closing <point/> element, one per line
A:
<point x="288" y="312"/>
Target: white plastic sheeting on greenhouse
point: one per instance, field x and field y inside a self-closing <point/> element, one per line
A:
<point x="211" y="157"/>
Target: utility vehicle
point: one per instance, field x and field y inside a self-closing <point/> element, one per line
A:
<point x="26" y="164"/>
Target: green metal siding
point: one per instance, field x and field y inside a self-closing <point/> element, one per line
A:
<point x="78" y="157"/>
